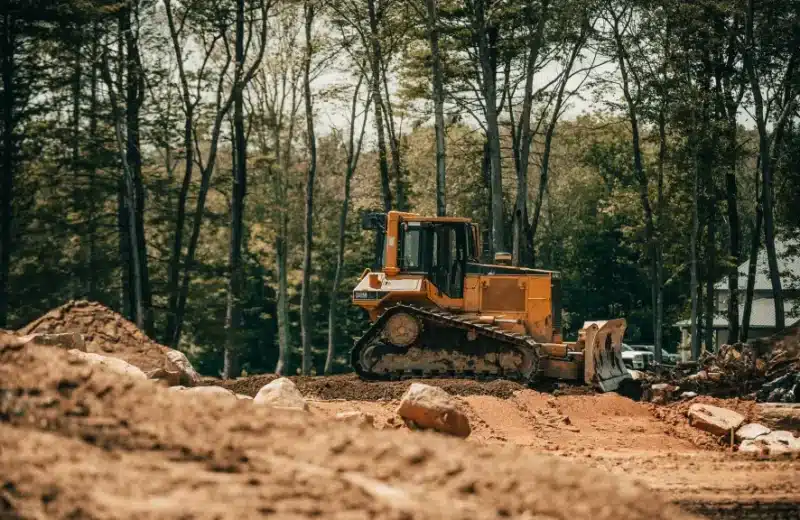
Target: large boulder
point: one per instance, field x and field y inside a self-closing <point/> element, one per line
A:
<point x="215" y="391"/>
<point x="774" y="443"/>
<point x="431" y="407"/>
<point x="713" y="419"/>
<point x="751" y="431"/>
<point x="109" y="363"/>
<point x="281" y="393"/>
<point x="189" y="376"/>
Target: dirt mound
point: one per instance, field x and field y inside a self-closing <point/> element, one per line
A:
<point x="105" y="332"/>
<point x="78" y="442"/>
<point x="351" y="388"/>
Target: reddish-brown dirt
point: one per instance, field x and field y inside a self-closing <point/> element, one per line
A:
<point x="82" y="443"/>
<point x="350" y="387"/>
<point x="78" y="442"/>
<point x="105" y="332"/>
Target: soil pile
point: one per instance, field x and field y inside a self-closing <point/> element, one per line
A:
<point x="351" y="388"/>
<point x="77" y="442"/>
<point x="105" y="332"/>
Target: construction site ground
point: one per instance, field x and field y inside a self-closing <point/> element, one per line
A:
<point x="78" y="441"/>
<point x="651" y="443"/>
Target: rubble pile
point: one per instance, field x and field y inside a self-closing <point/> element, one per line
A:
<point x="766" y="369"/>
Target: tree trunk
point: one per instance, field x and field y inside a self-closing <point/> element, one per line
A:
<point x="641" y="177"/>
<point x="128" y="203"/>
<point x="766" y="169"/>
<point x="377" y="100"/>
<point x="134" y="95"/>
<point x="126" y="295"/>
<point x="437" y="82"/>
<point x="171" y="335"/>
<point x="353" y="153"/>
<point x="695" y="341"/>
<point x="232" y="315"/>
<point x="305" y="304"/>
<point x="77" y="73"/>
<point x="734" y="235"/>
<point x="548" y="144"/>
<point x="8" y="159"/>
<point x="711" y="251"/>
<point x="487" y="54"/>
<point x="94" y="145"/>
<point x="524" y="137"/>
<point x="755" y="245"/>
<point x="394" y="146"/>
<point x="281" y="252"/>
<point x="282" y="247"/>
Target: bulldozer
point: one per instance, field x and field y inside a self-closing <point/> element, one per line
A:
<point x="437" y="311"/>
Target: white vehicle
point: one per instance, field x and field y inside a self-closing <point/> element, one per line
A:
<point x="635" y="359"/>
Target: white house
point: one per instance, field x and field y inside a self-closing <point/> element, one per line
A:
<point x="762" y="315"/>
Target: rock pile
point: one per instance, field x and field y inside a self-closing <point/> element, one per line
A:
<point x="97" y="330"/>
<point x="731" y="426"/>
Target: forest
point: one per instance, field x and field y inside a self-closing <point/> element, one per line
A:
<point x="201" y="166"/>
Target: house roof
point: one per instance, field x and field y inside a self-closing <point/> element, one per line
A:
<point x="788" y="256"/>
<point x="762" y="315"/>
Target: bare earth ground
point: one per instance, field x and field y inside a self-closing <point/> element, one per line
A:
<point x="651" y="444"/>
<point x="77" y="442"/>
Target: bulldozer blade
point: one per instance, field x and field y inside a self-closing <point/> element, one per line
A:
<point x="603" y="365"/>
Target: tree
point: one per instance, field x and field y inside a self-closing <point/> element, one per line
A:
<point x="212" y="26"/>
<point x="311" y="173"/>
<point x="353" y="153"/>
<point x="620" y="17"/>
<point x="437" y="81"/>
<point x="787" y="93"/>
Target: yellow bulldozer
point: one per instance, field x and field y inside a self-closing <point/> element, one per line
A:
<point x="436" y="311"/>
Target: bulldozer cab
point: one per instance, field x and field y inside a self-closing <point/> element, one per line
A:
<point x="436" y="248"/>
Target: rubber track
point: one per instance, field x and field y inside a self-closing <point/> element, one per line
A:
<point x="446" y="319"/>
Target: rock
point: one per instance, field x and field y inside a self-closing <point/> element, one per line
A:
<point x="189" y="376"/>
<point x="242" y="396"/>
<point x="661" y="393"/>
<point x="431" y="407"/>
<point x="356" y="417"/>
<point x="109" y="363"/>
<point x="783" y="436"/>
<point x="636" y="375"/>
<point x="779" y="416"/>
<point x="713" y="419"/>
<point x="281" y="393"/>
<point x="775" y="443"/>
<point x="170" y="377"/>
<point x="688" y="395"/>
<point x="67" y="340"/>
<point x="216" y="391"/>
<point x="751" y="431"/>
<point x="699" y="376"/>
